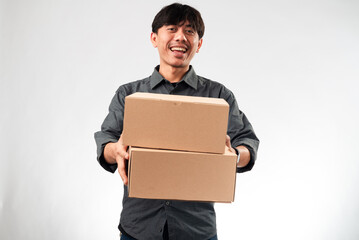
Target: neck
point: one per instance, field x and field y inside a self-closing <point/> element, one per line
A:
<point x="173" y="74"/>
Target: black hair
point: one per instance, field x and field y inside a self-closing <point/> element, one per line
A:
<point x="177" y="13"/>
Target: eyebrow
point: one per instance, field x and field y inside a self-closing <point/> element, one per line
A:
<point x="180" y="25"/>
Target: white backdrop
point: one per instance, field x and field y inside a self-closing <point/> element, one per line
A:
<point x="293" y="66"/>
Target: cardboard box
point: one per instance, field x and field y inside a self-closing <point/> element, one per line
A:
<point x="175" y="122"/>
<point x="179" y="175"/>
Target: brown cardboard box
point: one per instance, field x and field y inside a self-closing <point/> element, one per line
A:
<point x="179" y="175"/>
<point x="185" y="123"/>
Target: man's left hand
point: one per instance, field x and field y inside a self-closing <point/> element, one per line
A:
<point x="244" y="152"/>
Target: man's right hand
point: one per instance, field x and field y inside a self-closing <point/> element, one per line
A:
<point x="118" y="153"/>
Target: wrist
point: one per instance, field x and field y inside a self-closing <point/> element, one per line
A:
<point x="238" y="154"/>
<point x="109" y="153"/>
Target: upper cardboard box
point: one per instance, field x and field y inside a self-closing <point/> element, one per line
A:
<point x="175" y="122"/>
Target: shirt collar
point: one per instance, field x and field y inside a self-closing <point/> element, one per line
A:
<point x="190" y="78"/>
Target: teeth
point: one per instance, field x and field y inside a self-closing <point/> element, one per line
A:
<point x="178" y="49"/>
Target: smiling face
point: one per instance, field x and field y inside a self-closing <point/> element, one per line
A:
<point x="176" y="44"/>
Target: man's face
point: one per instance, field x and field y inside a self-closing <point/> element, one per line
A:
<point x="177" y="44"/>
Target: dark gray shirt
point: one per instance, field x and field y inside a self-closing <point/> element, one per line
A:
<point x="145" y="218"/>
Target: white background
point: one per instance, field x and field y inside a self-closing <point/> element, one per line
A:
<point x="293" y="66"/>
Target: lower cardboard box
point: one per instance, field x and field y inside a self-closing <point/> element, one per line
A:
<point x="180" y="175"/>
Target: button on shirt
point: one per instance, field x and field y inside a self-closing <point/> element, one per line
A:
<point x="145" y="218"/>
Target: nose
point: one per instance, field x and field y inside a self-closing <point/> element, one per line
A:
<point x="180" y="35"/>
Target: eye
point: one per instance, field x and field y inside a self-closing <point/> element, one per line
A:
<point x="171" y="29"/>
<point x="190" y="31"/>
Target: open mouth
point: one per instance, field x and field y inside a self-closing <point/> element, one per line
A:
<point x="179" y="49"/>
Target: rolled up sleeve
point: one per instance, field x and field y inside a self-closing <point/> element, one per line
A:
<point x="111" y="128"/>
<point x="241" y="131"/>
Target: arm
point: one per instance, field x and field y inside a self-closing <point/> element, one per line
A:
<point x="111" y="153"/>
<point x="241" y="134"/>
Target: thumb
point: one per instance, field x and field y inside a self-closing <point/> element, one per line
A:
<point x="228" y="141"/>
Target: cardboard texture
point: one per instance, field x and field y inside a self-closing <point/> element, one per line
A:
<point x="175" y="122"/>
<point x="179" y="175"/>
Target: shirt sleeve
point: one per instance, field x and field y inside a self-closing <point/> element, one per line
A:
<point x="111" y="128"/>
<point x="240" y="130"/>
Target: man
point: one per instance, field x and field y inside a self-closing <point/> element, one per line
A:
<point x="177" y="32"/>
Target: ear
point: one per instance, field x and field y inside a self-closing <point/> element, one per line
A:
<point x="199" y="44"/>
<point x="154" y="39"/>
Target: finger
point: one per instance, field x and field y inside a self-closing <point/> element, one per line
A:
<point x="124" y="154"/>
<point x="229" y="145"/>
<point x="228" y="141"/>
<point x="124" y="148"/>
<point x="121" y="165"/>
